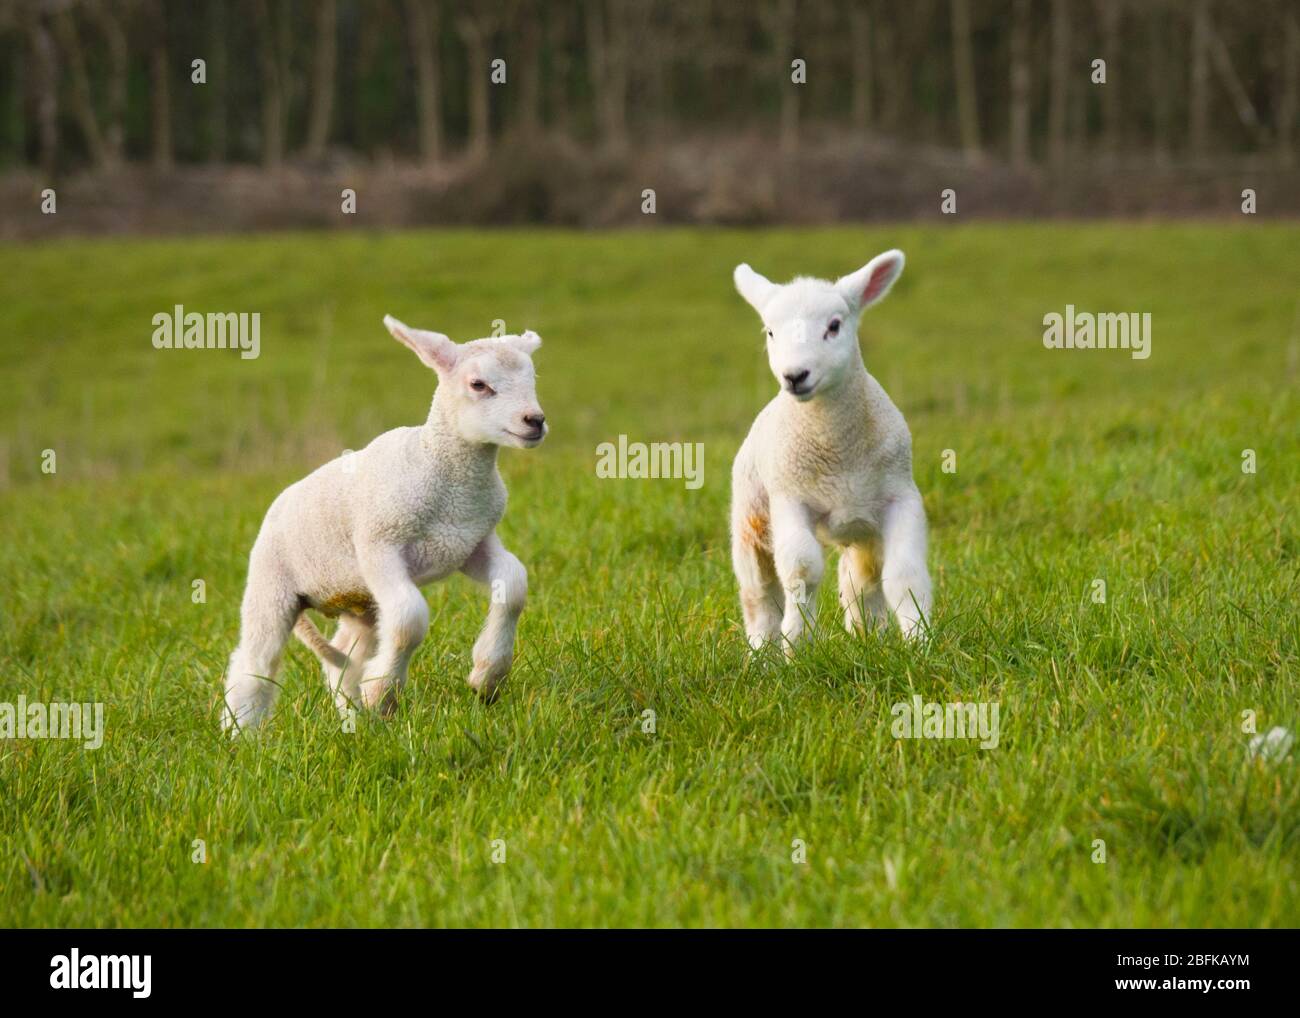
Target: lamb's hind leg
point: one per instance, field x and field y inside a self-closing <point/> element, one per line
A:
<point x="355" y="639"/>
<point x="861" y="597"/>
<point x="266" y="619"/>
<point x="904" y="577"/>
<point x="403" y="619"/>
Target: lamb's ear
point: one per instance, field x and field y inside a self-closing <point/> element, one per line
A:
<point x="526" y="343"/>
<point x="433" y="348"/>
<point x="753" y="287"/>
<point x="870" y="283"/>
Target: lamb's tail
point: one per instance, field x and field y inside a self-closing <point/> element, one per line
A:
<point x="307" y="632"/>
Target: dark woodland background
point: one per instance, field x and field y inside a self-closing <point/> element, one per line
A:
<point x="604" y="98"/>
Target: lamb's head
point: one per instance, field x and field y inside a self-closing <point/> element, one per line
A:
<point x="486" y="387"/>
<point x="812" y="325"/>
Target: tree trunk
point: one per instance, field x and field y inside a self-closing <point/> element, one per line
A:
<point x="272" y="95"/>
<point x="1157" y="33"/>
<point x="890" y="70"/>
<point x="160" y="88"/>
<point x="860" y="33"/>
<point x="45" y="90"/>
<point x="115" y="40"/>
<point x="1198" y="109"/>
<point x="780" y="22"/>
<point x="1020" y="85"/>
<point x="218" y="61"/>
<point x="324" y="61"/>
<point x="421" y="25"/>
<point x="963" y="67"/>
<point x="1058" y="104"/>
<point x="529" y="111"/>
<point x="1111" y="12"/>
<point x="607" y="67"/>
<point x="83" y="107"/>
<point x="1288" y="105"/>
<point x="474" y="34"/>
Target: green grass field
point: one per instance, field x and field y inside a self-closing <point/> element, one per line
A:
<point x="1120" y="721"/>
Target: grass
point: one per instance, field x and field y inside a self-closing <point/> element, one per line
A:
<point x="1120" y="722"/>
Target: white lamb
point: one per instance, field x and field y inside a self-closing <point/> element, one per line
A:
<point x="828" y="461"/>
<point x="358" y="537"/>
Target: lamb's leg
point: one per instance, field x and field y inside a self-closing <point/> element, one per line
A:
<point x="507" y="580"/>
<point x="860" y="595"/>
<point x="799" y="565"/>
<point x="403" y="619"/>
<point x="355" y="638"/>
<point x="266" y="619"/>
<point x="905" y="579"/>
<point x="761" y="598"/>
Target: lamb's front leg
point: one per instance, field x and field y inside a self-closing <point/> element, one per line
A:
<point x="507" y="581"/>
<point x="403" y="621"/>
<point x="799" y="566"/>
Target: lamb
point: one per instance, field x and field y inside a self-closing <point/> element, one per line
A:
<point x="357" y="538"/>
<point x="827" y="461"/>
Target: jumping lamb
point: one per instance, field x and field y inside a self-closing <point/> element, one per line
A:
<point x="357" y="538"/>
<point x="827" y="461"/>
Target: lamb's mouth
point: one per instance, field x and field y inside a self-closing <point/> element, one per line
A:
<point x="803" y="392"/>
<point x="529" y="440"/>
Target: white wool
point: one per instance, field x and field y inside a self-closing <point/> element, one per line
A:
<point x="827" y="462"/>
<point x="359" y="536"/>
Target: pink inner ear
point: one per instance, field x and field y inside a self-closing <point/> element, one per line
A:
<point x="879" y="280"/>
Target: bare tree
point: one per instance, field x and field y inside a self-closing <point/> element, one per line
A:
<point x="1198" y="108"/>
<point x="45" y="90"/>
<point x="963" y="67"/>
<point x="324" y="61"/>
<point x="475" y="27"/>
<point x="422" y="30"/>
<point x="160" y="87"/>
<point x="1288" y="104"/>
<point x="1020" y="84"/>
<point x="1058" y="99"/>
<point x="272" y="88"/>
<point x="779" y="20"/>
<point x="607" y="63"/>
<point x="83" y="106"/>
<point x="1111" y="14"/>
<point x="860" y="57"/>
<point x="525" y="28"/>
<point x="108" y="17"/>
<point x="218" y="62"/>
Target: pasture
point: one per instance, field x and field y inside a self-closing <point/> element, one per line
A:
<point x="1121" y="721"/>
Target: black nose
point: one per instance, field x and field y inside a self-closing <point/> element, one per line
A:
<point x="535" y="421"/>
<point x="796" y="379"/>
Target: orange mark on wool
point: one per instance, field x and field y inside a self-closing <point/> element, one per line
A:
<point x="354" y="603"/>
<point x="755" y="531"/>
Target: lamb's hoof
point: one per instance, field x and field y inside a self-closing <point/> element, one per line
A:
<point x="379" y="698"/>
<point x="487" y="682"/>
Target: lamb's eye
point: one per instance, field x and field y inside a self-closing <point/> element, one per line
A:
<point x="478" y="385"/>
<point x="769" y="334"/>
<point x="834" y="328"/>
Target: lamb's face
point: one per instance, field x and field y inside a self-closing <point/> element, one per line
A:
<point x="488" y="386"/>
<point x="811" y="326"/>
<point x="494" y="392"/>
<point x="812" y="338"/>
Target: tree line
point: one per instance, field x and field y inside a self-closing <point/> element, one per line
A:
<point x="103" y="83"/>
